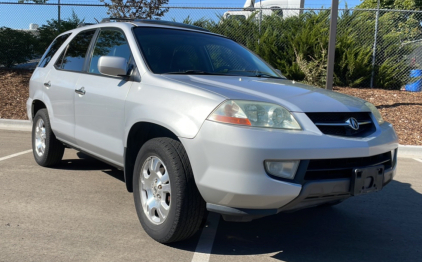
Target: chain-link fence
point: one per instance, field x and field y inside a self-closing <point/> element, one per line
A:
<point x="376" y="48"/>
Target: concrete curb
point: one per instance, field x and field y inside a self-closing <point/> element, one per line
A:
<point x="26" y="125"/>
<point x="16" y="125"/>
<point x="410" y="151"/>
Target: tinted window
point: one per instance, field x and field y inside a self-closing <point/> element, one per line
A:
<point x="110" y="42"/>
<point x="180" y="51"/>
<point x="73" y="58"/>
<point x="223" y="57"/>
<point x="185" y="57"/>
<point x="52" y="49"/>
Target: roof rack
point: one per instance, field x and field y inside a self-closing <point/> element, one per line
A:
<point x="84" y="24"/>
<point x="154" y="22"/>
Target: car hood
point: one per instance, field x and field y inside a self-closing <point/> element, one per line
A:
<point x="294" y="96"/>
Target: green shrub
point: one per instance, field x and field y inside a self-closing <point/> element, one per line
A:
<point x="16" y="46"/>
<point x="298" y="45"/>
<point x="353" y="62"/>
<point x="48" y="32"/>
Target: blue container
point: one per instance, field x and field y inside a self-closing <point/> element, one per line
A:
<point x="417" y="85"/>
<point x="416" y="73"/>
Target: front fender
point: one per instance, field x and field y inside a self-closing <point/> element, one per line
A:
<point x="180" y="125"/>
<point x="179" y="108"/>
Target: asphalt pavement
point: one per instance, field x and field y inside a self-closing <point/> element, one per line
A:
<point x="81" y="211"/>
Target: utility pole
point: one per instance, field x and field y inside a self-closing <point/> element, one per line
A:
<point x="332" y="44"/>
<point x="302" y="6"/>
<point x="374" y="52"/>
<point x="58" y="16"/>
<point x="260" y="20"/>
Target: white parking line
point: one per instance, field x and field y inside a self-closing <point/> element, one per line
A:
<point x="204" y="247"/>
<point x="17" y="154"/>
<point x="420" y="160"/>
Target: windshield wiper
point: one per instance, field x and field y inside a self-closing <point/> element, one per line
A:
<point x="192" y="72"/>
<point x="257" y="74"/>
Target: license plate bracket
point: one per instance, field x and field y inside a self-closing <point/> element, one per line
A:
<point x="367" y="180"/>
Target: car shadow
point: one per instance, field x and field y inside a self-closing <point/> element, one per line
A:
<point x="88" y="163"/>
<point x="398" y="104"/>
<point x="384" y="226"/>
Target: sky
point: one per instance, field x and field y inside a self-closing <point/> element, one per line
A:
<point x="20" y="16"/>
<point x="240" y="3"/>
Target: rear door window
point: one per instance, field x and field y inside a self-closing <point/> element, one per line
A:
<point x="52" y="49"/>
<point x="73" y="58"/>
<point x="110" y="42"/>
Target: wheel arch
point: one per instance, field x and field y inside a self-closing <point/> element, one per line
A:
<point x="37" y="104"/>
<point x="138" y="135"/>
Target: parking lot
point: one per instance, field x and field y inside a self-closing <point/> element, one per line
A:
<point x="81" y="211"/>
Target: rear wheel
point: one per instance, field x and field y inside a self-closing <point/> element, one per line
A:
<point x="168" y="203"/>
<point x="48" y="151"/>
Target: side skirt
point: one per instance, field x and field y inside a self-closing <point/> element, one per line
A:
<point x="93" y="156"/>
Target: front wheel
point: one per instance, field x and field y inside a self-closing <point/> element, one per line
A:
<point x="168" y="203"/>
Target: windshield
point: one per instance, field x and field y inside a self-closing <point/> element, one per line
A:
<point x="170" y="51"/>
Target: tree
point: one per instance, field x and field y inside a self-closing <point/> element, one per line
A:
<point x="392" y="4"/>
<point x="142" y="9"/>
<point x="16" y="46"/>
<point x="47" y="33"/>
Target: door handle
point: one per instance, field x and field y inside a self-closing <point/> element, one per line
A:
<point x="47" y="84"/>
<point x="80" y="91"/>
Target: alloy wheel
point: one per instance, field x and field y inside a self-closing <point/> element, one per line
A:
<point x="155" y="190"/>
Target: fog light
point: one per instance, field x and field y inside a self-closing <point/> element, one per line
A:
<point x="284" y="169"/>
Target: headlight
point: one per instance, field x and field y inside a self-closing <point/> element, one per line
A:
<point x="257" y="114"/>
<point x="375" y="112"/>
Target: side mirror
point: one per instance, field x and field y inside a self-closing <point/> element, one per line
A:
<point x="112" y="65"/>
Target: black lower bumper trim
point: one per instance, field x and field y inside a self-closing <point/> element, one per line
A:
<point x="313" y="193"/>
<point x="240" y="214"/>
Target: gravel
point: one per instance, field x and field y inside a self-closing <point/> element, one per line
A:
<point x="14" y="93"/>
<point x="401" y="108"/>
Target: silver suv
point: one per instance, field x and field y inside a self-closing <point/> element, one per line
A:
<point x="199" y="123"/>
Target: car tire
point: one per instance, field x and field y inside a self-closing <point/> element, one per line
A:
<point x="179" y="212"/>
<point x="47" y="150"/>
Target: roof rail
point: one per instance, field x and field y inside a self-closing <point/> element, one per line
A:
<point x="84" y="24"/>
<point x="154" y="22"/>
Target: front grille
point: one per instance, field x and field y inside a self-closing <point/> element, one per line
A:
<point x="335" y="123"/>
<point x="343" y="167"/>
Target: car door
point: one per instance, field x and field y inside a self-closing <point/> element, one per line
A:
<point x="99" y="112"/>
<point x="60" y="85"/>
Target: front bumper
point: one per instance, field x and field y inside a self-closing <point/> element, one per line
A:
<point x="228" y="162"/>
<point x="313" y="194"/>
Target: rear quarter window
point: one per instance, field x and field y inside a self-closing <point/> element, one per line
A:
<point x="52" y="49"/>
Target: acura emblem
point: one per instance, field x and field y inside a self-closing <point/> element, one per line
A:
<point x="353" y="123"/>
